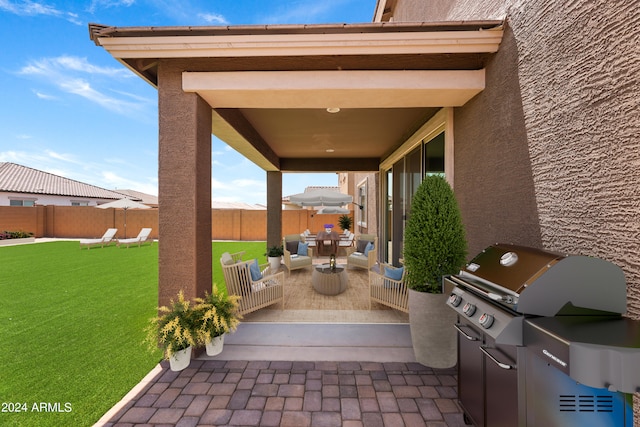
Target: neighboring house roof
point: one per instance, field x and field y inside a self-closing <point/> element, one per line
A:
<point x="16" y="178"/>
<point x="236" y="205"/>
<point x="144" y="198"/>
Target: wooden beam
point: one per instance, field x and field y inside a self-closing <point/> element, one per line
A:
<point x="329" y="164"/>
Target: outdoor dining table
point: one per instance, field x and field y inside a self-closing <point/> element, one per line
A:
<point x="327" y="243"/>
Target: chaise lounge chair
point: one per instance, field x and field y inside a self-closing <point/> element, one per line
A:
<point x="102" y="242"/>
<point x="142" y="237"/>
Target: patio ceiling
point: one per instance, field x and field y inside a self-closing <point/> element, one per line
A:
<point x="270" y="87"/>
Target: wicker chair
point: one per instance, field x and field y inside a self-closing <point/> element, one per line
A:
<point x="292" y="260"/>
<point x="254" y="294"/>
<point x="385" y="290"/>
<point x="356" y="256"/>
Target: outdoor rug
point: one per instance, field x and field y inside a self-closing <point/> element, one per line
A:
<point x="303" y="304"/>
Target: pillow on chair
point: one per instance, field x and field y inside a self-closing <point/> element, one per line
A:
<point x="254" y="269"/>
<point x="292" y="246"/>
<point x="360" y="245"/>
<point x="368" y="248"/>
<point x="303" y="249"/>
<point x="393" y="273"/>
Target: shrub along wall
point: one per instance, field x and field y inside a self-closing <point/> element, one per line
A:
<point x="87" y="222"/>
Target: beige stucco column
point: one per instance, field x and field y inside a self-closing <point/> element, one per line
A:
<point x="184" y="188"/>
<point x="274" y="208"/>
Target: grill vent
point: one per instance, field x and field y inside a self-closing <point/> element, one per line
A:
<point x="585" y="403"/>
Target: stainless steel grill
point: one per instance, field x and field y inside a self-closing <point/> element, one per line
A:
<point x="542" y="340"/>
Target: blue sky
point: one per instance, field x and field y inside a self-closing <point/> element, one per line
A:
<point x="69" y="108"/>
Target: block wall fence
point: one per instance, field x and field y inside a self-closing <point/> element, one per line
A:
<point x="89" y="222"/>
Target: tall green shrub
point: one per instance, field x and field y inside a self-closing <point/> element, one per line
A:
<point x="434" y="239"/>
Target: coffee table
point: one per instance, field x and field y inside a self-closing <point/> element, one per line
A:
<point x="327" y="281"/>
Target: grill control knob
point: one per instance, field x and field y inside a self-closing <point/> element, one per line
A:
<point x="469" y="309"/>
<point x="455" y="300"/>
<point x="486" y="320"/>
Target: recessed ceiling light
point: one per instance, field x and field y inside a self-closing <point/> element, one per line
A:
<point x="333" y="110"/>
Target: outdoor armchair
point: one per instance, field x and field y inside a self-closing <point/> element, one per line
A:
<point x="253" y="283"/>
<point x="142" y="237"/>
<point x="297" y="253"/>
<point x="105" y="240"/>
<point x="387" y="286"/>
<point x="364" y="253"/>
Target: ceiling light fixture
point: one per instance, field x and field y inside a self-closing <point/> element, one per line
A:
<point x="333" y="110"/>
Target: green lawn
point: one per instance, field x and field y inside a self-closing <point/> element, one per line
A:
<point x="71" y="327"/>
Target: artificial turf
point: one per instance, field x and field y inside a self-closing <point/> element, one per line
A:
<point x="72" y="327"/>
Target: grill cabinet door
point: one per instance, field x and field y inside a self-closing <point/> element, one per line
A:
<point x="501" y="386"/>
<point x="470" y="372"/>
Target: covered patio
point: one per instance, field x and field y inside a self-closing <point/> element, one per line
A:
<point x="291" y="98"/>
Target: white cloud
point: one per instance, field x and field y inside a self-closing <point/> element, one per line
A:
<point x="303" y="12"/>
<point x="249" y="183"/>
<point x="44" y="95"/>
<point x="64" y="157"/>
<point x="106" y="4"/>
<point x="60" y="64"/>
<point x="219" y="185"/>
<point x="32" y="8"/>
<point x="29" y="8"/>
<point x="213" y="18"/>
<point x="70" y="73"/>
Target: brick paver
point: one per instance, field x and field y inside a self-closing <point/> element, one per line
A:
<point x="299" y="394"/>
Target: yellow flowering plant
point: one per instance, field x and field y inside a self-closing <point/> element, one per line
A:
<point x="175" y="327"/>
<point x="217" y="314"/>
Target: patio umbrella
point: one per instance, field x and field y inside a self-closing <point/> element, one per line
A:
<point x="124" y="204"/>
<point x="321" y="197"/>
<point x="333" y="210"/>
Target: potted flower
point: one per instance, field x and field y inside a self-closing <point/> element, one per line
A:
<point x="274" y="256"/>
<point x="216" y="315"/>
<point x="175" y="330"/>
<point x="434" y="246"/>
<point x="345" y="222"/>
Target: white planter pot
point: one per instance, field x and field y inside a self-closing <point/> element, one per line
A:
<point x="180" y="359"/>
<point x="214" y="347"/>
<point x="274" y="262"/>
<point x="434" y="338"/>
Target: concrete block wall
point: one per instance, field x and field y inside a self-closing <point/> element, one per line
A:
<point x="89" y="222"/>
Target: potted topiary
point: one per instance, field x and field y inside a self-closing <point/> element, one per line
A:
<point x="216" y="315"/>
<point x="175" y="329"/>
<point x="274" y="256"/>
<point x="434" y="246"/>
<point x="345" y="222"/>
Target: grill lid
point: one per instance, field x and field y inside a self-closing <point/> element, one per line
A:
<point x="541" y="283"/>
<point x="510" y="267"/>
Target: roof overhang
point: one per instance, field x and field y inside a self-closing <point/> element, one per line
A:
<point x="270" y="86"/>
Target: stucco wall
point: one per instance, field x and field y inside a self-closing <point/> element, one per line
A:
<point x="578" y="74"/>
<point x="578" y="67"/>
